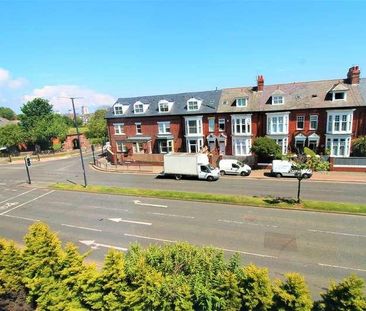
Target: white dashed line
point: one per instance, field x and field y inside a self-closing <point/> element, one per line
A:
<point x="246" y="253"/>
<point x="148" y="238"/>
<point x="338" y="233"/>
<point x="83" y="228"/>
<point x="24" y="218"/>
<point x="40" y="196"/>
<point x="172" y="215"/>
<point x="18" y="195"/>
<point x="245" y="223"/>
<point x="341" y="267"/>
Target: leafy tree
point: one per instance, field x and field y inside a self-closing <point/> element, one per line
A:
<point x="291" y="294"/>
<point x="70" y="121"/>
<point x="359" y="147"/>
<point x="97" y="126"/>
<point x="255" y="289"/>
<point x="7" y="113"/>
<point x="348" y="295"/>
<point x="11" y="135"/>
<point x="33" y="111"/>
<point x="266" y="149"/>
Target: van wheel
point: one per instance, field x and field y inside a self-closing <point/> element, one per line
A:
<point x="210" y="178"/>
<point x="243" y="174"/>
<point x="222" y="173"/>
<point x="178" y="177"/>
<point x="278" y="175"/>
<point x="305" y="176"/>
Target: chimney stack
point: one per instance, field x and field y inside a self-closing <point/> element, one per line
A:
<point x="353" y="75"/>
<point x="260" y="83"/>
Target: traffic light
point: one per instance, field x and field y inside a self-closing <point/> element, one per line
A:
<point x="28" y="161"/>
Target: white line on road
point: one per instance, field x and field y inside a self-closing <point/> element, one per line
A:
<point x="130" y="221"/>
<point x="338" y="233"/>
<point x="95" y="245"/>
<point x="18" y="195"/>
<point x="341" y="267"/>
<point x="172" y="215"/>
<point x="246" y="253"/>
<point x="18" y="217"/>
<point x="148" y="238"/>
<point x="84" y="228"/>
<point x="245" y="223"/>
<point x="137" y="202"/>
<point x="40" y="196"/>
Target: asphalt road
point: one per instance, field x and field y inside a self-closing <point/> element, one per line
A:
<point x="320" y="246"/>
<point x="70" y="170"/>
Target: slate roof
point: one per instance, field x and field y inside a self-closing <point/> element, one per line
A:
<point x="297" y="95"/>
<point x="210" y="101"/>
<point x="363" y="88"/>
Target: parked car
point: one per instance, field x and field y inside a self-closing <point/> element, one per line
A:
<point x="196" y="165"/>
<point x="234" y="167"/>
<point x="282" y="168"/>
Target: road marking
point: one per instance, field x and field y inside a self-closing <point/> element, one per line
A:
<point x="137" y="202"/>
<point x="40" y="196"/>
<point x="8" y="204"/>
<point x="149" y="238"/>
<point x="108" y="208"/>
<point x="245" y="223"/>
<point x="223" y="249"/>
<point x="338" y="233"/>
<point x="95" y="245"/>
<point x="18" y="217"/>
<point x="246" y="253"/>
<point x="2" y="184"/>
<point x="17" y="195"/>
<point x="130" y="221"/>
<point x="172" y="215"/>
<point x="341" y="267"/>
<point x="84" y="228"/>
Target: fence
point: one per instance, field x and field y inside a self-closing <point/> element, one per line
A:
<point x="126" y="166"/>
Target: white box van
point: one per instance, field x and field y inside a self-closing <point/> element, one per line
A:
<point x="234" y="167"/>
<point x="284" y="168"/>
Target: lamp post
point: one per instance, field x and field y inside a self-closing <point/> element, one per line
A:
<point x="78" y="134"/>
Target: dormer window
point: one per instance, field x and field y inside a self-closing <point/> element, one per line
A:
<point x="139" y="108"/>
<point x="165" y="106"/>
<point x="339" y="96"/>
<point x="241" y="102"/>
<point x="193" y="104"/>
<point x="118" y="109"/>
<point x="277" y="100"/>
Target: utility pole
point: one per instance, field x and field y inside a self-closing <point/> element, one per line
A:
<point x="78" y="134"/>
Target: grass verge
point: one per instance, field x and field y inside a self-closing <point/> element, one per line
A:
<point x="288" y="203"/>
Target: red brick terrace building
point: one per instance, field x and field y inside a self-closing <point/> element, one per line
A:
<point x="320" y="115"/>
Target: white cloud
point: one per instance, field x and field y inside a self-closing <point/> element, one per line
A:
<point x="58" y="96"/>
<point x="7" y="81"/>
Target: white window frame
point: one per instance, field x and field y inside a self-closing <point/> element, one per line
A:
<point x="164" y="107"/>
<point x="278" y="99"/>
<point x="138" y="126"/>
<point x="271" y="125"/>
<point x="169" y="146"/>
<point x="241" y="124"/>
<point x="334" y="144"/>
<point x="139" y="107"/>
<point x="138" y="147"/>
<point x="196" y="102"/>
<point x="338" y="119"/>
<point x="120" y="146"/>
<point x="211" y="124"/>
<point x="118" y="128"/>
<point x="164" y="127"/>
<point x="118" y="109"/>
<point x="221" y="122"/>
<point x="241" y="102"/>
<point x="198" y="143"/>
<point x="242" y="146"/>
<point x="198" y="125"/>
<point x="297" y="122"/>
<point x="334" y="94"/>
<point x="313" y="118"/>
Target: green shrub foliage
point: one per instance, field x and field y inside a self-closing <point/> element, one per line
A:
<point x="170" y="277"/>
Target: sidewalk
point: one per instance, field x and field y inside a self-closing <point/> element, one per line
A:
<point x="334" y="176"/>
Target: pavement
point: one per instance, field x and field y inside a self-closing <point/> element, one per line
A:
<point x="329" y="176"/>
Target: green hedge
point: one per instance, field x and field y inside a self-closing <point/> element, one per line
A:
<point x="171" y="277"/>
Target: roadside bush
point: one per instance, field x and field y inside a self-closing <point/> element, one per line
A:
<point x="359" y="147"/>
<point x="57" y="147"/>
<point x="348" y="295"/>
<point x="170" y="277"/>
<point x="291" y="294"/>
<point x="266" y="149"/>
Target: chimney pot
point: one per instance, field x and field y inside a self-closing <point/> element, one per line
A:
<point x="353" y="76"/>
<point x="260" y="83"/>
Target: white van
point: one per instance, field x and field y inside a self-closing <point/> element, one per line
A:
<point x="234" y="167"/>
<point x="284" y="168"/>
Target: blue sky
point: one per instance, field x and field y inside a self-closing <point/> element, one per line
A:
<point x="102" y="50"/>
